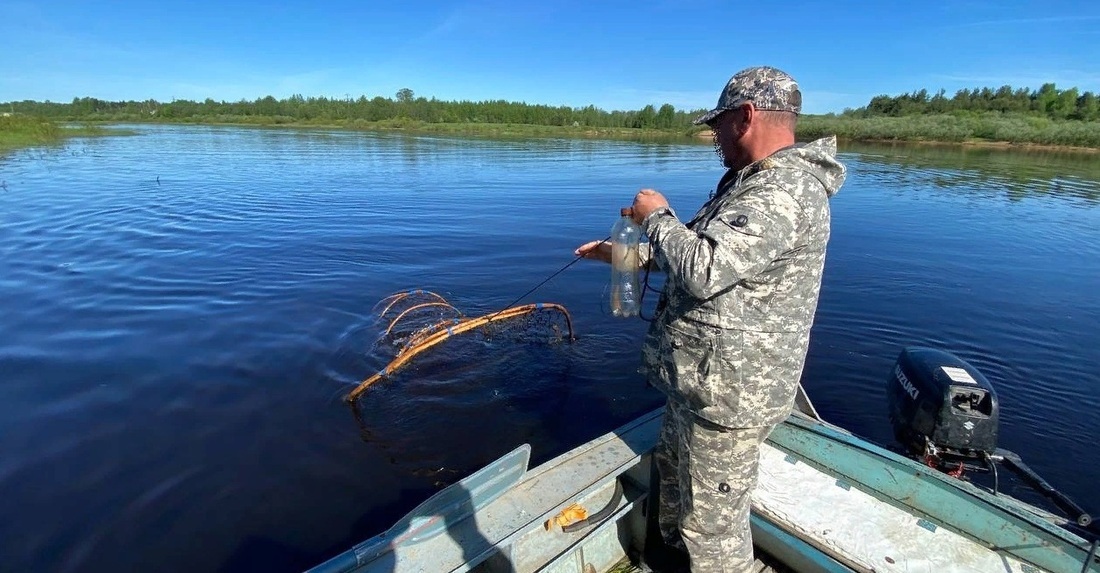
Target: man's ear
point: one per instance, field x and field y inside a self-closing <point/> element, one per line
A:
<point x="748" y="118"/>
<point x="750" y="112"/>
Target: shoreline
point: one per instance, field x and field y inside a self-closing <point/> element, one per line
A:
<point x="976" y="143"/>
<point x="102" y="128"/>
<point x="23" y="135"/>
<point x="613" y="133"/>
<point x="981" y="144"/>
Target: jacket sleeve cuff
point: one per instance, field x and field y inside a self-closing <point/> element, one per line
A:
<point x="652" y="218"/>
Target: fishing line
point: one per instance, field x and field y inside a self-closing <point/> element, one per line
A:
<point x="410" y="306"/>
<point x="546" y="280"/>
<point x="641" y="297"/>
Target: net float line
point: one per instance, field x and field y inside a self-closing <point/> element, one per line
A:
<point x="444" y="332"/>
<point x="397" y="297"/>
<point x="416" y="337"/>
<point x="418" y="306"/>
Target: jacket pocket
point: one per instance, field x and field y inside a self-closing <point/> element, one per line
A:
<point x="746" y="220"/>
<point x="698" y="363"/>
<point x="723" y="464"/>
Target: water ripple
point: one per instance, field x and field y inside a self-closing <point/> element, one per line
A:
<point x="184" y="310"/>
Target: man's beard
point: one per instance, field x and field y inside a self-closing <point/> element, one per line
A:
<point x="737" y="160"/>
<point x="718" y="148"/>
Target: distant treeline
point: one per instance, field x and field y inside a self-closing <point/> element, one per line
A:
<point x="1048" y="101"/>
<point x="1046" y="116"/>
<point x="299" y="109"/>
<point x="956" y="127"/>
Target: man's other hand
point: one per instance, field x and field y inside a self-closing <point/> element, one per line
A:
<point x="595" y="250"/>
<point x="646" y="202"/>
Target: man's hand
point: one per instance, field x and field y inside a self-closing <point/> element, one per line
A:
<point x="646" y="202"/>
<point x="595" y="250"/>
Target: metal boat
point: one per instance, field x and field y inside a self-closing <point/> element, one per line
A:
<point x="826" y="501"/>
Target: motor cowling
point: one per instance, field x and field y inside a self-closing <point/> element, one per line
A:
<point x="940" y="405"/>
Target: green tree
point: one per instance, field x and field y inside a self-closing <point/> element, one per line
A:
<point x="1088" y="108"/>
<point x="404" y="95"/>
<point x="883" y="105"/>
<point x="666" y="116"/>
<point x="938" y="103"/>
<point x="267" y="106"/>
<point x="646" y="117"/>
<point x="1065" y="105"/>
<point x="1045" y="99"/>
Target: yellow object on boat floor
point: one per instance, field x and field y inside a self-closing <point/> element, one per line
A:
<point x="567" y="516"/>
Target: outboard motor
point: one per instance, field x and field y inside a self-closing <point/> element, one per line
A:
<point x="941" y="408"/>
<point x="944" y="412"/>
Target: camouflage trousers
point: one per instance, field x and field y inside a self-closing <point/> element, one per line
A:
<point x="707" y="474"/>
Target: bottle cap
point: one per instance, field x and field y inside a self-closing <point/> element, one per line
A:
<point x="626" y="212"/>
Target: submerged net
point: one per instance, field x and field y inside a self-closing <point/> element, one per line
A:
<point x="412" y="315"/>
<point x="418" y="320"/>
<point x="532" y="327"/>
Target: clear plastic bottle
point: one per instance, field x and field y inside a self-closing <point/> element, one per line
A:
<point x="625" y="283"/>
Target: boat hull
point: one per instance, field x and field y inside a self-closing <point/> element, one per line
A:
<point x="826" y="501"/>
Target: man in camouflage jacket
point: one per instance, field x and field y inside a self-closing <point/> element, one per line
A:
<point x="729" y="338"/>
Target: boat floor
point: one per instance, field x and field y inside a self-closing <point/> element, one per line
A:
<point x="764" y="563"/>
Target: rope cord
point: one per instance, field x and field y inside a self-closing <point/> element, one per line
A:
<point x="427" y="337"/>
<point x="546" y="280"/>
<point x="646" y="287"/>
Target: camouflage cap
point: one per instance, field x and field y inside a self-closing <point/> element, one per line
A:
<point x="766" y="87"/>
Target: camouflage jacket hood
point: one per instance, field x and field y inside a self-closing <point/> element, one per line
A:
<point x="732" y="327"/>
<point x="818" y="158"/>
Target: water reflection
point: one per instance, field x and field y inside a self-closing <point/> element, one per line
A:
<point x="1014" y="173"/>
<point x="181" y="350"/>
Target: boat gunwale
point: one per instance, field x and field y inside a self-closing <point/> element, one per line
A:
<point x="1027" y="522"/>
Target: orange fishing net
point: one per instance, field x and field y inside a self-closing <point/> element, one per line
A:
<point x="420" y="319"/>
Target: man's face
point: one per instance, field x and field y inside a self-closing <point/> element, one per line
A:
<point x="728" y="130"/>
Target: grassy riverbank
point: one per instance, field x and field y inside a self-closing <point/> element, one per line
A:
<point x="984" y="128"/>
<point x="446" y="128"/>
<point x="18" y="131"/>
<point x="992" y="129"/>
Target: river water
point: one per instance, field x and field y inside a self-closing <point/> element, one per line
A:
<point x="183" y="310"/>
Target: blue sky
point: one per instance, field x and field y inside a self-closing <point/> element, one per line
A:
<point x="615" y="55"/>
